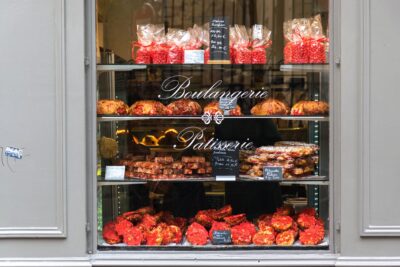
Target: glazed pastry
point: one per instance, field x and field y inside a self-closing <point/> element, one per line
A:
<point x="303" y="108"/>
<point x="148" y="107"/>
<point x="270" y="107"/>
<point x="111" y="107"/>
<point x="184" y="107"/>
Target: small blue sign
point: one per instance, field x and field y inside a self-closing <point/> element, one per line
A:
<point x="13" y="152"/>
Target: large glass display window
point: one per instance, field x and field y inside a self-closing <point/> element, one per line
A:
<point x="212" y="125"/>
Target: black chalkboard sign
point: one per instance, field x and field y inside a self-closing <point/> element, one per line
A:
<point x="221" y="237"/>
<point x="225" y="161"/>
<point x="219" y="39"/>
<point x="273" y="173"/>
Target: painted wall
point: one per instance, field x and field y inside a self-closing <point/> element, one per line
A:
<point x="42" y="94"/>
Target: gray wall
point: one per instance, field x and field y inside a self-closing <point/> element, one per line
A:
<point x="369" y="128"/>
<point x="42" y="94"/>
<point x="42" y="107"/>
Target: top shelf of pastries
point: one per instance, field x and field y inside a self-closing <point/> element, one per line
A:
<point x="115" y="110"/>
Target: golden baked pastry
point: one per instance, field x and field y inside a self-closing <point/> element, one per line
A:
<point x="111" y="107"/>
<point x="304" y="107"/>
<point x="270" y="107"/>
<point x="148" y="107"/>
<point x="184" y="107"/>
<point x="108" y="147"/>
<point x="213" y="108"/>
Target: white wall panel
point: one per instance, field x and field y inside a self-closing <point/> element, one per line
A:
<point x="368" y="187"/>
<point x="32" y="103"/>
<point x="380" y="123"/>
<point x="42" y="109"/>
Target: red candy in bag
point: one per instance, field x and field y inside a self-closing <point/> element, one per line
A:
<point x="159" y="51"/>
<point x="242" y="52"/>
<point x="175" y="50"/>
<point x="144" y="43"/>
<point x="261" y="40"/>
<point x="297" y="35"/>
<point x="318" y="42"/>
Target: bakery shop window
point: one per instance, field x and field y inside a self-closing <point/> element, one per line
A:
<point x="212" y="128"/>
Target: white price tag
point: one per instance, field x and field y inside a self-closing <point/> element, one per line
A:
<point x="257" y="31"/>
<point x="225" y="178"/>
<point x="115" y="172"/>
<point x="194" y="57"/>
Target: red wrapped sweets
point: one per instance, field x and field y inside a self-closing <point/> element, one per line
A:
<point x="175" y="50"/>
<point x="144" y="43"/>
<point x="318" y="42"/>
<point x="159" y="51"/>
<point x="261" y="40"/>
<point x="242" y="52"/>
<point x="297" y="34"/>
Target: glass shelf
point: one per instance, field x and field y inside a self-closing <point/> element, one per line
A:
<point x="187" y="246"/>
<point x="305" y="67"/>
<point x="110" y="118"/>
<point x="308" y="180"/>
<point x="265" y="67"/>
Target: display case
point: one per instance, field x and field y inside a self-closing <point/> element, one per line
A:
<point x="212" y="125"/>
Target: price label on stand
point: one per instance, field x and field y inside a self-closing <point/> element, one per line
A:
<point x="225" y="163"/>
<point x="227" y="104"/>
<point x="221" y="237"/>
<point x="115" y="173"/>
<point x="219" y="41"/>
<point x="194" y="57"/>
<point x="257" y="31"/>
<point x="273" y="174"/>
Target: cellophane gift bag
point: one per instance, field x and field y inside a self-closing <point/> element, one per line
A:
<point x="261" y="40"/>
<point x="159" y="50"/>
<point x="143" y="44"/>
<point x="318" y="42"/>
<point x="242" y="51"/>
<point x="174" y="43"/>
<point x="297" y="35"/>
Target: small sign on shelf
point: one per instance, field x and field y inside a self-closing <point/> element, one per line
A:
<point x="272" y="173"/>
<point x="115" y="173"/>
<point x="194" y="56"/>
<point x="221" y="237"/>
<point x="225" y="162"/>
<point x="227" y="104"/>
<point x="219" y="41"/>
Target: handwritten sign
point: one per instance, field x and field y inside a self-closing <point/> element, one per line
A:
<point x="273" y="173"/>
<point x="225" y="163"/>
<point x="221" y="237"/>
<point x="227" y="103"/>
<point x="219" y="39"/>
<point x="115" y="172"/>
<point x="13" y="152"/>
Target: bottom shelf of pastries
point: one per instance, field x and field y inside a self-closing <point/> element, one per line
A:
<point x="144" y="228"/>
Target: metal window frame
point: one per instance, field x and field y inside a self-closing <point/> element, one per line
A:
<point x="204" y="258"/>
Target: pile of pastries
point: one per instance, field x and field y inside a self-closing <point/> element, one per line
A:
<point x="296" y="159"/>
<point x="167" y="168"/>
<point x="282" y="228"/>
<point x="268" y="107"/>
